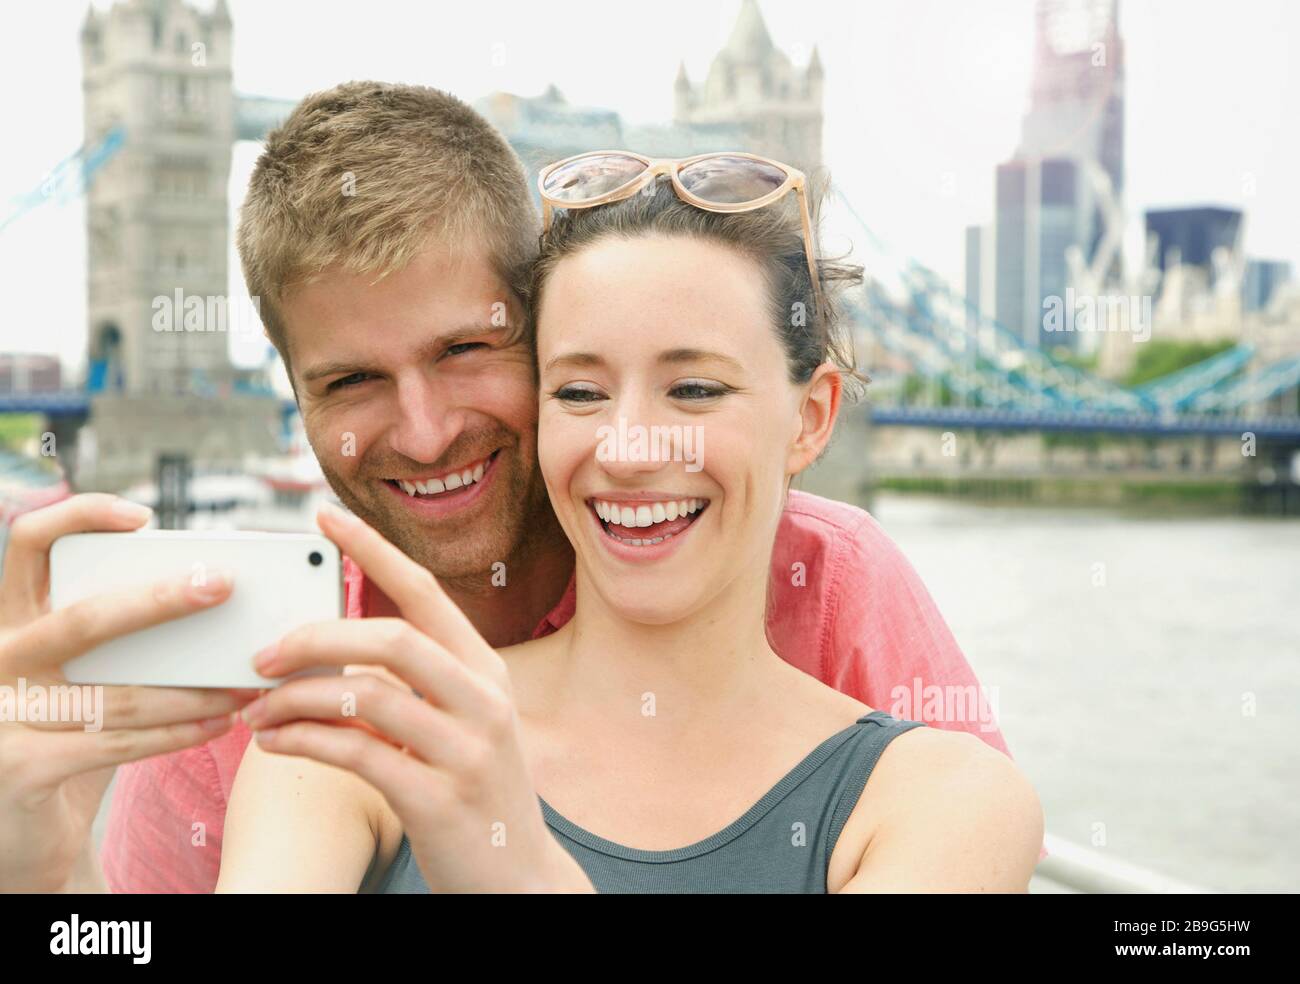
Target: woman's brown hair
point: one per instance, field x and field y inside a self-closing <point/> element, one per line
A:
<point x="771" y="236"/>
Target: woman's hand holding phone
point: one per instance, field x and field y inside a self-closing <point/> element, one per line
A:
<point x="435" y="730"/>
<point x="53" y="773"/>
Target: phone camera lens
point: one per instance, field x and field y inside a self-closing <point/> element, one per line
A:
<point x="315" y="559"/>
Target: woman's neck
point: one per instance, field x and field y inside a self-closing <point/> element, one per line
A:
<point x="716" y="658"/>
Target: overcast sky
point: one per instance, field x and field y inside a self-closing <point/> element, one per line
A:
<point x="923" y="99"/>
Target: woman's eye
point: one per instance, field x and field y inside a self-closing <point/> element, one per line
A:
<point x="697" y="390"/>
<point x="578" y="394"/>
<point x="347" y="381"/>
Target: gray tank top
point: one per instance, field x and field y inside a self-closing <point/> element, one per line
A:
<point x="783" y="843"/>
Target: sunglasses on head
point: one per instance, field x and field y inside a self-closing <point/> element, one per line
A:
<point x="721" y="182"/>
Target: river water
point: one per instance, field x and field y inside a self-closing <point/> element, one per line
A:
<point x="1146" y="673"/>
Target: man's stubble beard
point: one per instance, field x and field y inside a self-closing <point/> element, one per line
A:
<point x="459" y="556"/>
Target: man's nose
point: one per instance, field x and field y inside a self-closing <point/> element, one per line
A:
<point x="427" y="420"/>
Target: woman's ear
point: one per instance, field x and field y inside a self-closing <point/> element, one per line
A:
<point x="817" y="412"/>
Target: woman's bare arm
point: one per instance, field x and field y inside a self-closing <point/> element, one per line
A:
<point x="297" y="825"/>
<point x="949" y="814"/>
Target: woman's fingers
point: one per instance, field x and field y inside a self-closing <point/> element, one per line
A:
<point x="117" y="708"/>
<point x="58" y="636"/>
<point x="25" y="580"/>
<point x="392" y="643"/>
<point x="413" y="589"/>
<point x="396" y="716"/>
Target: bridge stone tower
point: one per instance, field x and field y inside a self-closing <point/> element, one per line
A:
<point x="754" y="83"/>
<point x="156" y="215"/>
<point x="159" y="71"/>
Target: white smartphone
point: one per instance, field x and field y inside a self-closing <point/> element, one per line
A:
<point x="281" y="581"/>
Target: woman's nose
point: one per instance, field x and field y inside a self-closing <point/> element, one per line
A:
<point x="633" y="441"/>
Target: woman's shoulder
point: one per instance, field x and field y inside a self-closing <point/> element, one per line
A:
<point x="949" y="764"/>
<point x="816" y="701"/>
<point x="936" y="748"/>
<point x="937" y="799"/>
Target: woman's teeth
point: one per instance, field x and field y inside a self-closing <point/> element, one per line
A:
<point x="445" y="483"/>
<point x="647" y="513"/>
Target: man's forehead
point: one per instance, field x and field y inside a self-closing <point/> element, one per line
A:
<point x="433" y="297"/>
<point x="435" y="270"/>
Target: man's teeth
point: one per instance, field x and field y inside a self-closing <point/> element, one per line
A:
<point x="647" y="513"/>
<point x="445" y="483"/>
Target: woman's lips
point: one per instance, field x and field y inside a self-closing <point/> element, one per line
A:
<point x="642" y="524"/>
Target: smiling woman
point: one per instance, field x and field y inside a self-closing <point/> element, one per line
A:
<point x="654" y="316"/>
<point x="672" y="748"/>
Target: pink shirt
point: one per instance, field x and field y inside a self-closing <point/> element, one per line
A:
<point x="846" y="607"/>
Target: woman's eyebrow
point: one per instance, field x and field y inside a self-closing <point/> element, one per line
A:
<point x="582" y="360"/>
<point x="698" y="355"/>
<point x="577" y="360"/>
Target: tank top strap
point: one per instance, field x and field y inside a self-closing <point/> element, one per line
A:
<point x="857" y="759"/>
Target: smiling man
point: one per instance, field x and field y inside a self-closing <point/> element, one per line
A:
<point x="385" y="229"/>
<point x="417" y="395"/>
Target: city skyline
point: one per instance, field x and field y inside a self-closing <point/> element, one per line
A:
<point x="918" y="187"/>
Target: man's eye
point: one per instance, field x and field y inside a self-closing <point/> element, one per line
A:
<point x="464" y="347"/>
<point x="698" y="390"/>
<point x="347" y="381"/>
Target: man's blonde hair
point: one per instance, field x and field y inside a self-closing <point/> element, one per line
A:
<point x="363" y="176"/>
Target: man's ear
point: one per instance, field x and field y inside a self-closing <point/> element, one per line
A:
<point x="817" y="412"/>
